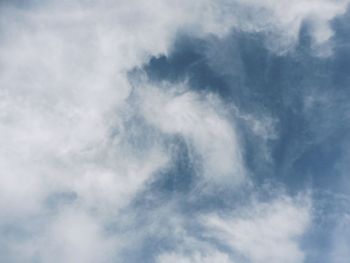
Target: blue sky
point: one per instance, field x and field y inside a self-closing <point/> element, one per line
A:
<point x="155" y="131"/>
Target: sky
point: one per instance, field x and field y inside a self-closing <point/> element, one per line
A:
<point x="158" y="131"/>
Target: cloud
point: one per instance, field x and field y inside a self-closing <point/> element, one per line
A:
<point x="66" y="122"/>
<point x="208" y="257"/>
<point x="175" y="110"/>
<point x="340" y="240"/>
<point x="71" y="235"/>
<point x="75" y="236"/>
<point x="258" y="231"/>
<point x="283" y="24"/>
<point x="265" y="232"/>
<point x="69" y="123"/>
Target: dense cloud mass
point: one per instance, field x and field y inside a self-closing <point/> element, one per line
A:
<point x="212" y="131"/>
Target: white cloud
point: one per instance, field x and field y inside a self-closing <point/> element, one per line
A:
<point x="185" y="246"/>
<point x="69" y="236"/>
<point x="266" y="232"/>
<point x="202" y="122"/>
<point x="258" y="232"/>
<point x="196" y="257"/>
<point x="63" y="86"/>
<point x="64" y="121"/>
<point x="74" y="236"/>
<point x="283" y="19"/>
